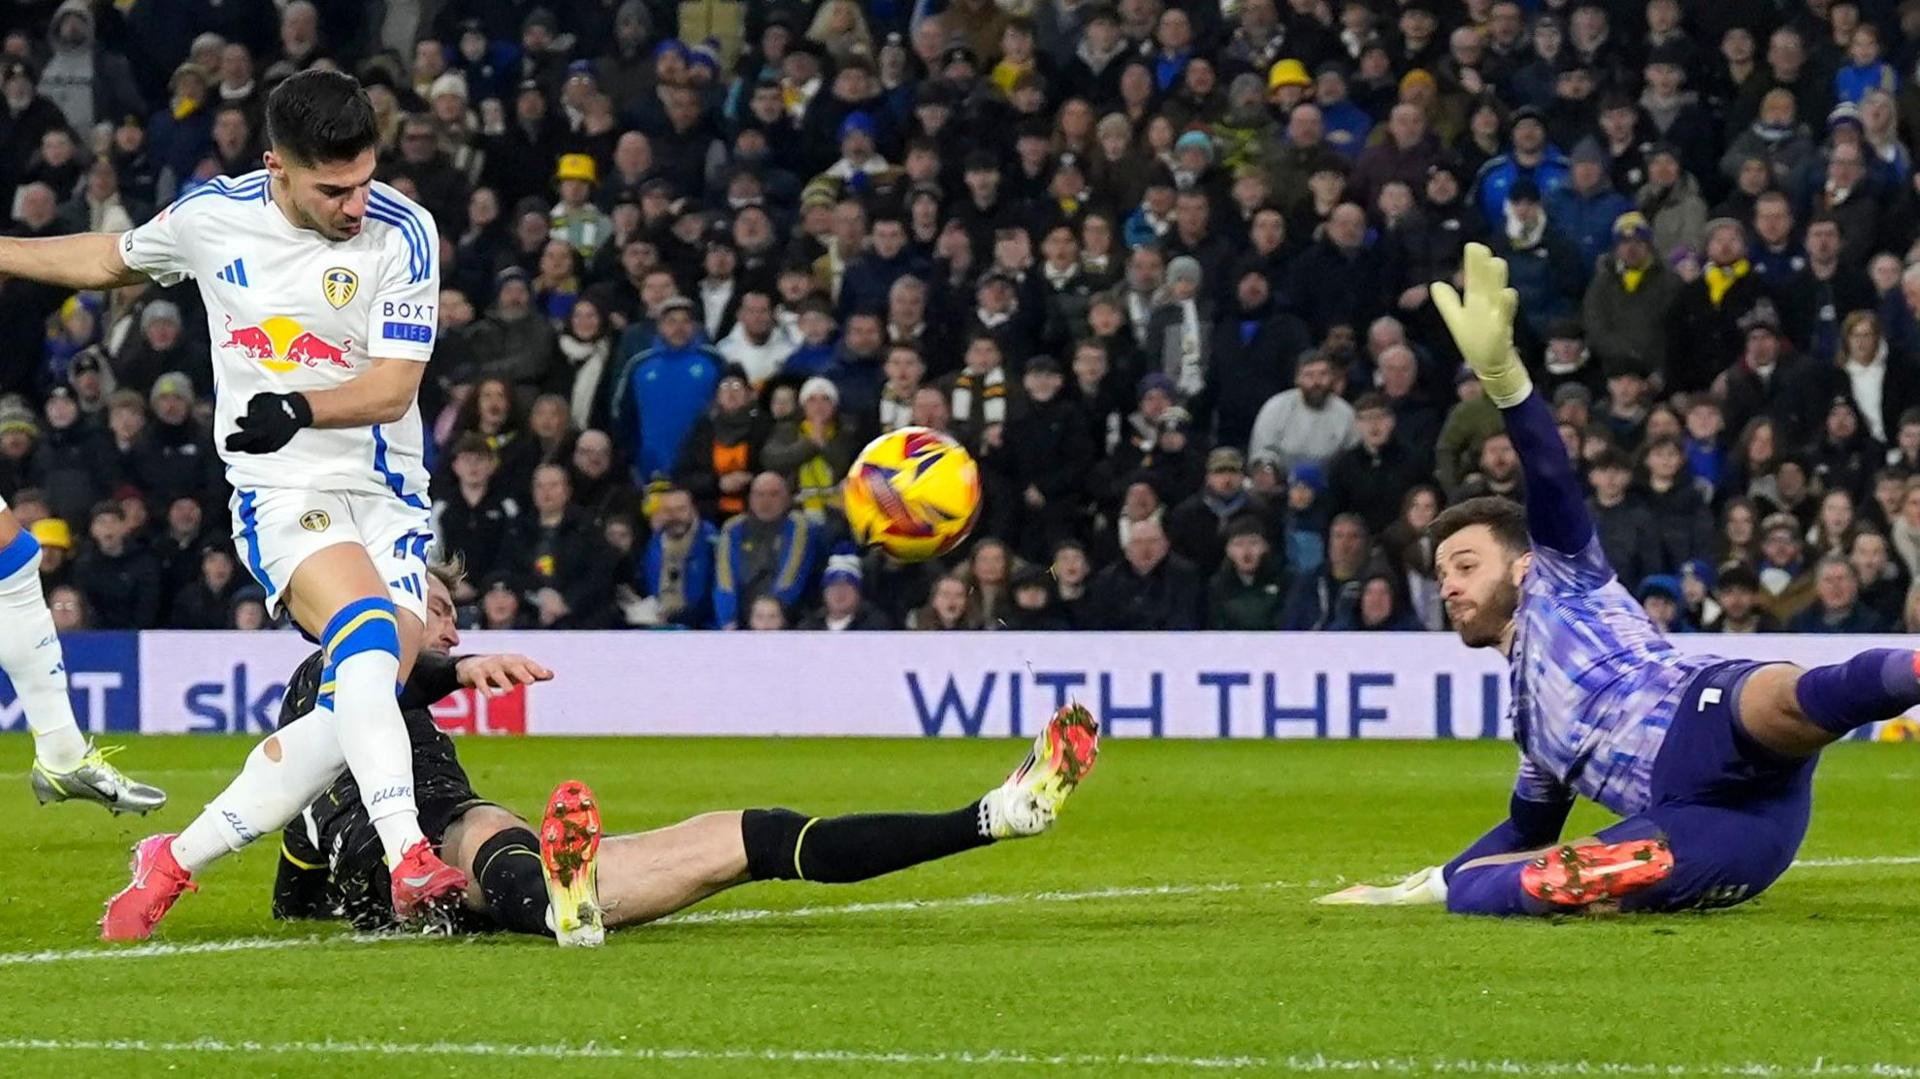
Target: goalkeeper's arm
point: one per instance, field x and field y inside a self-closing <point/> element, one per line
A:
<point x="1481" y="322"/>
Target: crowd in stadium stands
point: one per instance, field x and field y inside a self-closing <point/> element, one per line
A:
<point x="1162" y="266"/>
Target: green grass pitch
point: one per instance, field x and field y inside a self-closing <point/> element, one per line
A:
<point x="1163" y="928"/>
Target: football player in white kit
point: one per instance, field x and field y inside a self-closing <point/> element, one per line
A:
<point x="320" y="287"/>
<point x="65" y="765"/>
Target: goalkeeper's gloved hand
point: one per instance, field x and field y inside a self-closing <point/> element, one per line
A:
<point x="1482" y="326"/>
<point x="1429" y="885"/>
<point x="270" y="422"/>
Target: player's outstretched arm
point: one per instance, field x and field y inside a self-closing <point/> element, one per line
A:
<point x="89" y="260"/>
<point x="1482" y="326"/>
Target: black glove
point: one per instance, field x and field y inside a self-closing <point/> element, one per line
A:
<point x="271" y="421"/>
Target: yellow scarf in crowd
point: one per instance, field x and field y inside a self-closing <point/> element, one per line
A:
<point x="819" y="491"/>
<point x="1721" y="278"/>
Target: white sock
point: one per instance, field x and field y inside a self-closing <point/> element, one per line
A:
<point x="374" y="740"/>
<point x="283" y="774"/>
<point x="30" y="654"/>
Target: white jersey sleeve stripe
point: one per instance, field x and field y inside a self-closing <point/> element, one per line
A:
<point x="415" y="270"/>
<point x="244" y="191"/>
<point x="418" y="260"/>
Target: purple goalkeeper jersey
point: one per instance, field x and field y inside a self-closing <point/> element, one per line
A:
<point x="1594" y="683"/>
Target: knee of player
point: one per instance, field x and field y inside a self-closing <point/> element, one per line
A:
<point x="362" y="627"/>
<point x="772" y="841"/>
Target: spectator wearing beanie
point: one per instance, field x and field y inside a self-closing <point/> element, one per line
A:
<point x="514" y="341"/>
<point x="814" y="449"/>
<point x="71" y="460"/>
<point x="1545" y="266"/>
<point x="1197" y="524"/>
<point x="722" y="455"/>
<point x="1247" y="341"/>
<point x="1248" y="590"/>
<point x="1737" y="593"/>
<point x="1706" y="336"/>
<point x="842" y="607"/>
<point x="1530" y="157"/>
<point x="1628" y="533"/>
<point x="1626" y="308"/>
<point x="661" y="392"/>
<point x="159" y="346"/>
<point x="475" y="516"/>
<point x="1786" y="582"/>
<point x="120" y="580"/>
<point x="1586" y="208"/>
<point x="176" y="456"/>
<point x="1372" y="477"/>
<point x="1671" y="202"/>
<point x="1047" y="453"/>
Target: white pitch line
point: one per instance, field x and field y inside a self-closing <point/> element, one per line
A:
<point x="1841" y="863"/>
<point x="1297" y="1062"/>
<point x="759" y="914"/>
<point x="705" y="917"/>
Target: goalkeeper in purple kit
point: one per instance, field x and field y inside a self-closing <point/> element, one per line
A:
<point x="1708" y="760"/>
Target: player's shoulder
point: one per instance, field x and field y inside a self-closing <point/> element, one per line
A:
<point x="403" y="225"/>
<point x="221" y="197"/>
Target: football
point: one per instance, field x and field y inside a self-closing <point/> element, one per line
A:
<point x="914" y="493"/>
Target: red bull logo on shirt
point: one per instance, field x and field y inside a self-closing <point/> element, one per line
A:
<point x="281" y="344"/>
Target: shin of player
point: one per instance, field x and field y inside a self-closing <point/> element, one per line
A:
<point x="64" y="766"/>
<point x="532" y="884"/>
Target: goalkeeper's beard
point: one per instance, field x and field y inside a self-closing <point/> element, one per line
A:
<point x="1486" y="626"/>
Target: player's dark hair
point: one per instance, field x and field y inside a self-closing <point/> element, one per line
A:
<point x="1506" y="518"/>
<point x="320" y="116"/>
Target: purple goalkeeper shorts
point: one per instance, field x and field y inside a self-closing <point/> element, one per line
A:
<point x="1733" y="811"/>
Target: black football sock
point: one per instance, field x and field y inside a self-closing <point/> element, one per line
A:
<point x="508" y="866"/>
<point x="783" y="845"/>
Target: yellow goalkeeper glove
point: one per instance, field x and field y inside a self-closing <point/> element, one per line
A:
<point x="1482" y="326"/>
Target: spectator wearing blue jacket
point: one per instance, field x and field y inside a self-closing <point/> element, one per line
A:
<point x="770" y="550"/>
<point x="662" y="392"/>
<point x="678" y="570"/>
<point x="1347" y="125"/>
<point x="1528" y="157"/>
<point x="1586" y="208"/>
<point x="819" y="342"/>
<point x="1865" y="70"/>
<point x="1543" y="265"/>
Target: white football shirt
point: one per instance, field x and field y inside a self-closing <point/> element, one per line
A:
<point x="290" y="310"/>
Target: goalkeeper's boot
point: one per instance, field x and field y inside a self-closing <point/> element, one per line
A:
<point x="1063" y="753"/>
<point x="95" y="780"/>
<point x="1572" y="876"/>
<point x="569" y="852"/>
<point x="158" y="881"/>
<point x="424" y="887"/>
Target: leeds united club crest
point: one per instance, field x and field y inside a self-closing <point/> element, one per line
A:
<point x="338" y="285"/>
